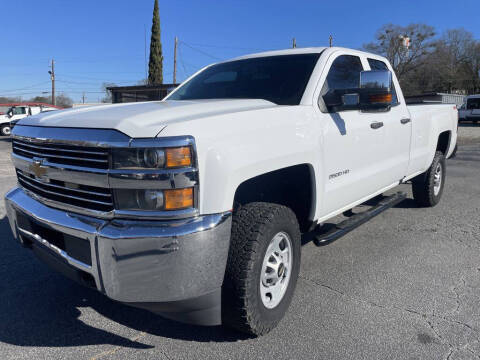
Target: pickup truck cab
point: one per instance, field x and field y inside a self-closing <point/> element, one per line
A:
<point x="470" y="110"/>
<point x="193" y="207"/>
<point x="16" y="112"/>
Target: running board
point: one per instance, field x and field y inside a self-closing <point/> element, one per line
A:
<point x="344" y="227"/>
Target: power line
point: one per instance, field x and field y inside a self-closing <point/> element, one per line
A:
<point x="200" y="51"/>
<point x="229" y="47"/>
<point x="27" y="87"/>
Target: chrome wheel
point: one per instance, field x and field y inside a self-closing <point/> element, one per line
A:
<point x="276" y="269"/>
<point x="437" y="179"/>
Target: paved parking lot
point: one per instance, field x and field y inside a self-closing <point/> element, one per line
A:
<point x="406" y="285"/>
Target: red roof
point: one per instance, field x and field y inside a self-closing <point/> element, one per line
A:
<point x="30" y="104"/>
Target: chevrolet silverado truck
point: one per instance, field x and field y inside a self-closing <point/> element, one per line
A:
<point x="193" y="207"/>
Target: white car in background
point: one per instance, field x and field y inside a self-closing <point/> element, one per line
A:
<point x="470" y="110"/>
<point x="19" y="111"/>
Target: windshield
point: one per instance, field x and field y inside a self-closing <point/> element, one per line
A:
<point x="473" y="103"/>
<point x="279" y="79"/>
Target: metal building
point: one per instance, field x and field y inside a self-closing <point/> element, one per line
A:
<point x="123" y="94"/>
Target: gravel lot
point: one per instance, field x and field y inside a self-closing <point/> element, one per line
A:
<point x="406" y="285"/>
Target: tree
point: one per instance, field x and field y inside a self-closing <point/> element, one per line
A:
<point x="7" y="100"/>
<point x="155" y="64"/>
<point x="63" y="100"/>
<point x="42" y="99"/>
<point x="108" y="94"/>
<point x="389" y="43"/>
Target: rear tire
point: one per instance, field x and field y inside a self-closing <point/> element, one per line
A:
<point x="428" y="187"/>
<point x="5" y="130"/>
<point x="262" y="268"/>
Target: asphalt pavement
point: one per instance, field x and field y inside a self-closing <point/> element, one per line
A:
<point x="405" y="285"/>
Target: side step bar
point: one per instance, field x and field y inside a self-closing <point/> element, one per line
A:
<point x="336" y="231"/>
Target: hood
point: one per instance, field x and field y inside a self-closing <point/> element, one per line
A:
<point x="142" y="120"/>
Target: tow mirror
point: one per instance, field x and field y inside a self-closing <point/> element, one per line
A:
<point x="375" y="90"/>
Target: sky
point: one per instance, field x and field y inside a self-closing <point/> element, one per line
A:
<point x="100" y="41"/>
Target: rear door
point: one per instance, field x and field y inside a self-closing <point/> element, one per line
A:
<point x="355" y="150"/>
<point x="398" y="129"/>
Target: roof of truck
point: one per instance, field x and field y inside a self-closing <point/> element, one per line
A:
<point x="306" y="50"/>
<point x="309" y="50"/>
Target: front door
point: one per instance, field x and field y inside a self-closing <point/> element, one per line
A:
<point x="355" y="157"/>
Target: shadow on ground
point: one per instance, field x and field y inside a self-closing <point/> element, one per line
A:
<point x="39" y="307"/>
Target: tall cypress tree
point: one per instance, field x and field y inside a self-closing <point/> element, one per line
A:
<point x="155" y="64"/>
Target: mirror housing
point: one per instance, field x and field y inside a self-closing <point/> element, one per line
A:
<point x="376" y="90"/>
<point x="374" y="93"/>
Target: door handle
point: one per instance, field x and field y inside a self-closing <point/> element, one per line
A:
<point x="376" y="125"/>
<point x="405" y="121"/>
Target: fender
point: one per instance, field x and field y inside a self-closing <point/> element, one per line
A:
<point x="236" y="147"/>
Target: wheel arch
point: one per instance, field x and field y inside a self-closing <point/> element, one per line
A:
<point x="293" y="186"/>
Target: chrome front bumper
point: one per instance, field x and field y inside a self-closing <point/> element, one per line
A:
<point x="143" y="263"/>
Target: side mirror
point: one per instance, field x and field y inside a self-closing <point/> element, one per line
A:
<point x="374" y="92"/>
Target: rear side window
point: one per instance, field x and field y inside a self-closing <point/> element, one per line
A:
<point x="343" y="74"/>
<point x="380" y="65"/>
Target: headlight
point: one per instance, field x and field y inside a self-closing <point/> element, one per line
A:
<point x="153" y="200"/>
<point x="151" y="158"/>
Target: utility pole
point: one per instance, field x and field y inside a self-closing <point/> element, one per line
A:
<point x="52" y="77"/>
<point x="145" y="50"/>
<point x="175" y="61"/>
<point x="330" y="39"/>
<point x="294" y="43"/>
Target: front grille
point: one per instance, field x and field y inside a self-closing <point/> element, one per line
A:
<point x="63" y="154"/>
<point x="89" y="197"/>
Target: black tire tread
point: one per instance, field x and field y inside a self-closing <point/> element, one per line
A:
<point x="422" y="185"/>
<point x="249" y="224"/>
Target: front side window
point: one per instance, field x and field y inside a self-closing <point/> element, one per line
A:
<point x="19" y="111"/>
<point x="280" y="79"/>
<point x="343" y="74"/>
<point x="380" y="65"/>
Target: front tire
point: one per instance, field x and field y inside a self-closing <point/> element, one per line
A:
<point x="5" y="130"/>
<point x="262" y="267"/>
<point x="428" y="187"/>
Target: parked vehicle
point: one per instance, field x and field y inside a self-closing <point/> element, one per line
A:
<point x="470" y="110"/>
<point x="18" y="111"/>
<point x="193" y="207"/>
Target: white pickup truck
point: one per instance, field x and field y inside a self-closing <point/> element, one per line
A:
<point x="19" y="111"/>
<point x="193" y="207"/>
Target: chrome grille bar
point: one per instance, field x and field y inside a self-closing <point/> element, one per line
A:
<point x="62" y="154"/>
<point x="63" y="149"/>
<point x="90" y="200"/>
<point x="107" y="192"/>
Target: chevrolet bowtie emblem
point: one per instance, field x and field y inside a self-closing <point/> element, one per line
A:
<point x="37" y="168"/>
